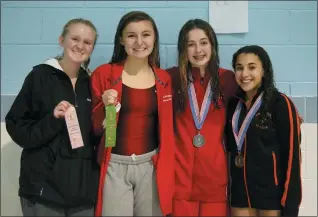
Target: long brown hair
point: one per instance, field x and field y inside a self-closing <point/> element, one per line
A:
<point x="119" y="53"/>
<point x="181" y="85"/>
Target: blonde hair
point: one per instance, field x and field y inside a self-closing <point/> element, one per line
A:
<point x="65" y="31"/>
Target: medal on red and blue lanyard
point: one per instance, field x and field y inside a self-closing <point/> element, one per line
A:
<point x="239" y="135"/>
<point x="199" y="116"/>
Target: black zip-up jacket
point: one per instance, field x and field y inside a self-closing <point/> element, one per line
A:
<point x="51" y="171"/>
<point x="271" y="176"/>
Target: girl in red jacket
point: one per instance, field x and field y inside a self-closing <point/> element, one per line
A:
<point x="263" y="138"/>
<point x="201" y="89"/>
<point x="137" y="174"/>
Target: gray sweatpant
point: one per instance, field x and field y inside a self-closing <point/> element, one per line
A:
<point x="36" y="209"/>
<point x="130" y="187"/>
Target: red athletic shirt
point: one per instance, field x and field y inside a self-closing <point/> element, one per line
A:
<point x="201" y="173"/>
<point x="137" y="129"/>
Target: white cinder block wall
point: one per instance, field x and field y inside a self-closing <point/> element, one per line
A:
<point x="309" y="170"/>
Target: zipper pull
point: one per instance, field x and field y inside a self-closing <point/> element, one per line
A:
<point x="75" y="96"/>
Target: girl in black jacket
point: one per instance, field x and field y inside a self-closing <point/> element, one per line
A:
<point x="263" y="137"/>
<point x="57" y="179"/>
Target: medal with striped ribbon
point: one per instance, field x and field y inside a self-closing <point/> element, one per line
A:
<point x="239" y="135"/>
<point x="199" y="117"/>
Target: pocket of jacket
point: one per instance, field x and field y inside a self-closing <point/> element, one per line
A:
<point x="275" y="167"/>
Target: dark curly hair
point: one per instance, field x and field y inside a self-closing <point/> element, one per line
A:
<point x="268" y="83"/>
<point x="181" y="85"/>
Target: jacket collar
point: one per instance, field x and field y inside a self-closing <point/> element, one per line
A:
<point x="194" y="74"/>
<point x="240" y="95"/>
<point x="54" y="63"/>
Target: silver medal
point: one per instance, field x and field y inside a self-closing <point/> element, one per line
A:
<point x="198" y="141"/>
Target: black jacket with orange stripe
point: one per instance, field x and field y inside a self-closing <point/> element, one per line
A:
<point x="271" y="176"/>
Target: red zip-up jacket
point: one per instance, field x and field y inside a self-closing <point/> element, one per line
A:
<point x="202" y="173"/>
<point x="108" y="76"/>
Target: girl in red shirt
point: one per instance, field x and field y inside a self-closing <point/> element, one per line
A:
<point x="201" y="89"/>
<point x="137" y="174"/>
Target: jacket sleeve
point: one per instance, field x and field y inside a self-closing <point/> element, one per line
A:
<point x="170" y="158"/>
<point x="289" y="136"/>
<point x="98" y="108"/>
<point x="23" y="123"/>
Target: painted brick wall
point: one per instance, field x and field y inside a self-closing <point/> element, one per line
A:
<point x="287" y="29"/>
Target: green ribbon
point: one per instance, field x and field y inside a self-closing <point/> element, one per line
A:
<point x="110" y="129"/>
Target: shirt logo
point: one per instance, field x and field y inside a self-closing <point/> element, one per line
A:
<point x="166" y="98"/>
